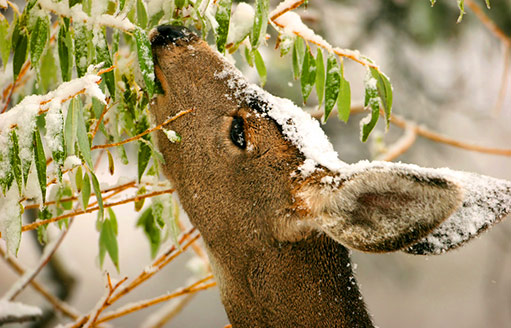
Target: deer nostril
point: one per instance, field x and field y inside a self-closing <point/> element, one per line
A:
<point x="166" y="34"/>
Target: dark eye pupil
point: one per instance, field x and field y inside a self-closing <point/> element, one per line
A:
<point x="238" y="132"/>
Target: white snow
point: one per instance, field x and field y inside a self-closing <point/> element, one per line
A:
<point x="16" y="310"/>
<point x="77" y="14"/>
<point x="71" y="162"/>
<point x="293" y="24"/>
<point x="283" y="6"/>
<point x="241" y="23"/>
<point x="3" y="3"/>
<point x="297" y="125"/>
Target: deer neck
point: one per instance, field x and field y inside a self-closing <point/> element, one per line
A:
<point x="309" y="283"/>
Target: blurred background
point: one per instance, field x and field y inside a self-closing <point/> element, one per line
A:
<point x="446" y="77"/>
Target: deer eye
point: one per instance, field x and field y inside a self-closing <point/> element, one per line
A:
<point x="238" y="132"/>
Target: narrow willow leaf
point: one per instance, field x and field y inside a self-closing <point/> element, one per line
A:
<point x="42" y="235"/>
<point x="97" y="192"/>
<point x="140" y="203"/>
<point x="83" y="138"/>
<point x="64" y="52"/>
<point x="63" y="197"/>
<point x="155" y="19"/>
<point x="49" y="70"/>
<point x="260" y="23"/>
<point x="461" y="6"/>
<point x="147" y="222"/>
<point x="38" y="39"/>
<point x="344" y="100"/>
<point x="261" y="68"/>
<point x="111" y="163"/>
<point x="433" y="2"/>
<point x="332" y="85"/>
<point x="297" y="57"/>
<point x="488" y="5"/>
<point x="222" y="16"/>
<point x="108" y="240"/>
<point x="78" y="179"/>
<point x="11" y="220"/>
<point x="308" y="77"/>
<point x="14" y="153"/>
<point x="71" y="126"/>
<point x="320" y="77"/>
<point x="103" y="56"/>
<point x="145" y="59"/>
<point x="372" y="101"/>
<point x="5" y="40"/>
<point x="20" y="51"/>
<point x="249" y="57"/>
<point x="384" y="92"/>
<point x="82" y="36"/>
<point x="286" y="43"/>
<point x="141" y="14"/>
<point x="85" y="192"/>
<point x="40" y="163"/>
<point x="144" y="155"/>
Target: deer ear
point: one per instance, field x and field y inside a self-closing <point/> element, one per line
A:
<point x="384" y="207"/>
<point x="387" y="208"/>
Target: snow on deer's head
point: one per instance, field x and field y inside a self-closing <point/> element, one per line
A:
<point x="254" y="167"/>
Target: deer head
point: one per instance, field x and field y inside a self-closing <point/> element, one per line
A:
<point x="276" y="207"/>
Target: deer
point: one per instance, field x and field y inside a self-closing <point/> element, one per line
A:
<point x="278" y="211"/>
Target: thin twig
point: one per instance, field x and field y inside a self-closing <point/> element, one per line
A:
<point x="504" y="81"/>
<point x="157" y="264"/>
<point x="138" y="136"/>
<point x="106" y="302"/>
<point x="58" y="304"/>
<point x="37" y="224"/>
<point x="490" y="25"/>
<point x="24" y="69"/>
<point x="193" y="288"/>
<point x="29" y="276"/>
<point x="402" y="144"/>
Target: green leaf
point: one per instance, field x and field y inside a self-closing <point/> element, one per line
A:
<point x="461" y="6"/>
<point x="49" y="70"/>
<point x="78" y="179"/>
<point x="64" y="192"/>
<point x="82" y="137"/>
<point x="42" y="235"/>
<point x="97" y="192"/>
<point x="333" y="83"/>
<point x="153" y="233"/>
<point x="40" y="163"/>
<point x="85" y="192"/>
<point x="38" y="39"/>
<point x="249" y="57"/>
<point x="384" y="92"/>
<point x="20" y="42"/>
<point x="222" y="16"/>
<point x="308" y="77"/>
<point x="82" y="36"/>
<point x="14" y="153"/>
<point x="145" y="59"/>
<point x="103" y="56"/>
<point x="261" y="68"/>
<point x="488" y="4"/>
<point x="108" y="240"/>
<point x="141" y="14"/>
<point x="144" y="155"/>
<point x="71" y="125"/>
<point x="65" y="51"/>
<point x="260" y="23"/>
<point x="140" y="203"/>
<point x="111" y="163"/>
<point x="5" y="41"/>
<point x="432" y="2"/>
<point x="344" y="100"/>
<point x="372" y="100"/>
<point x="297" y="57"/>
<point x="11" y="221"/>
<point x="320" y="76"/>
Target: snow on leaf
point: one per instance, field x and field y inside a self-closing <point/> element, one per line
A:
<point x="222" y="16"/>
<point x="241" y="23"/>
<point x="260" y="23"/>
<point x="40" y="162"/>
<point x="10" y="222"/>
<point x="145" y="59"/>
